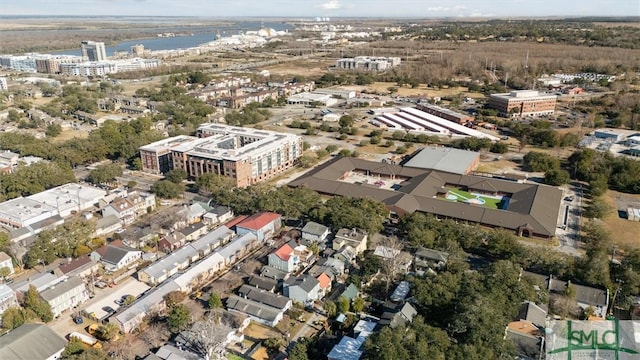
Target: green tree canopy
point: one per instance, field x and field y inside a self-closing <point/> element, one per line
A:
<point x="179" y="318"/>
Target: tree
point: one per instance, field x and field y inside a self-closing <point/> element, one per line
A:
<point x="597" y="209"/>
<point x="12" y="318"/>
<point x="499" y="148"/>
<point x="174" y="298"/>
<point x="331" y="308"/>
<point x="343" y="305"/>
<point x="108" y="331"/>
<point x="128" y="300"/>
<point x="556" y="177"/>
<point x="299" y="351"/>
<point x="358" y="305"/>
<point x="273" y="344"/>
<point x="537" y="161"/>
<point x="214" y="301"/>
<point x="53" y="130"/>
<point x="208" y="337"/>
<point x="346" y="121"/>
<point x="38" y="305"/>
<point x="104" y="173"/>
<point x="4" y="272"/>
<point x="179" y="318"/>
<point x="176" y="175"/>
<point x="167" y="189"/>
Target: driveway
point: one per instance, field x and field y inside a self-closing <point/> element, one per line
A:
<point x="307" y="329"/>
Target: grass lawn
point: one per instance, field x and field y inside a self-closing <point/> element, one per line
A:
<point x="623" y="232"/>
<point x="489" y="202"/>
<point x="231" y="356"/>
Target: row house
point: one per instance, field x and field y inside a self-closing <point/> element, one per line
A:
<point x="295" y="88"/>
<point x="65" y="295"/>
<point x="129" y="208"/>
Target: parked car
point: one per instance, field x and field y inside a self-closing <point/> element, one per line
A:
<point x="101" y="284"/>
<point x="109" y="309"/>
<point x="119" y="302"/>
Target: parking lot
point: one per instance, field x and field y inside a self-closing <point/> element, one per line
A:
<point x="108" y="296"/>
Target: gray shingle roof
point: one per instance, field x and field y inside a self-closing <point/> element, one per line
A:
<point x="264" y="297"/>
<point x="306" y="282"/>
<point x="30" y="341"/>
<point x="530" y="205"/>
<point x="61" y="288"/>
<point x="114" y="254"/>
<point x="314" y="228"/>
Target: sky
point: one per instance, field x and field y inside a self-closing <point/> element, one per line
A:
<point x="325" y="8"/>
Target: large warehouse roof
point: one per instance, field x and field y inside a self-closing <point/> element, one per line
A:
<point x="444" y="159"/>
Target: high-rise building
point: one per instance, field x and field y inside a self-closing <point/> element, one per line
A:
<point x="93" y="51"/>
<point x="137" y="50"/>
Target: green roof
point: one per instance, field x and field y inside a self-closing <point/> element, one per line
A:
<point x="351" y="292"/>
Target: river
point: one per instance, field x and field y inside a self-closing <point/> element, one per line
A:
<point x="187" y="41"/>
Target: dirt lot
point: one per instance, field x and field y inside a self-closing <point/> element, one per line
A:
<point x="624" y="232"/>
<point x="303" y="67"/>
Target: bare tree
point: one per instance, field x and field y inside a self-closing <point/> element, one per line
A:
<point x="391" y="266"/>
<point x="207" y="337"/>
<point x="156" y="335"/>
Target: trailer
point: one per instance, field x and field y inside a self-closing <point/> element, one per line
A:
<point x="87" y="339"/>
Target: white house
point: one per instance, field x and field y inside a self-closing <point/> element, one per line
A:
<point x="263" y="225"/>
<point x="312" y="231"/>
<point x="65" y="295"/>
<point x="6" y="262"/>
<point x="303" y="289"/>
<point x="352" y="237"/>
<point x="284" y="259"/>
<point x="116" y="258"/>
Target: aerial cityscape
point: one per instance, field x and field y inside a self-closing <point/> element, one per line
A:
<point x="345" y="180"/>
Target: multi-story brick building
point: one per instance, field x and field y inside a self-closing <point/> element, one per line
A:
<point x="523" y="103"/>
<point x="245" y="155"/>
<point x="156" y="156"/>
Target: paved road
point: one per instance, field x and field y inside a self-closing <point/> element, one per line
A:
<point x="307" y="329"/>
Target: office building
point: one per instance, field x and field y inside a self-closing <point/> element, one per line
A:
<point x="93" y="51"/>
<point x="523" y="103"/>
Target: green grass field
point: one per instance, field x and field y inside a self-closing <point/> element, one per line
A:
<point x="489" y="202"/>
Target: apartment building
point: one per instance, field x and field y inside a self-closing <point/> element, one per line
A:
<point x="523" y="103"/>
<point x="93" y="51"/>
<point x="245" y="155"/>
<point x="367" y="63"/>
<point x="156" y="156"/>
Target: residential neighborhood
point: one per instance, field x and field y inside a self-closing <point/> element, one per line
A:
<point x="391" y="180"/>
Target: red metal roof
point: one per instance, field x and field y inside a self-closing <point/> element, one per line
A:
<point x="284" y="252"/>
<point x="233" y="222"/>
<point x="258" y="221"/>
<point x="324" y="280"/>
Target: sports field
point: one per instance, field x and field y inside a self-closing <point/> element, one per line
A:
<point x="477" y="199"/>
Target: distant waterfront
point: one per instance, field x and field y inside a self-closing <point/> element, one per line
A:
<point x="183" y="42"/>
